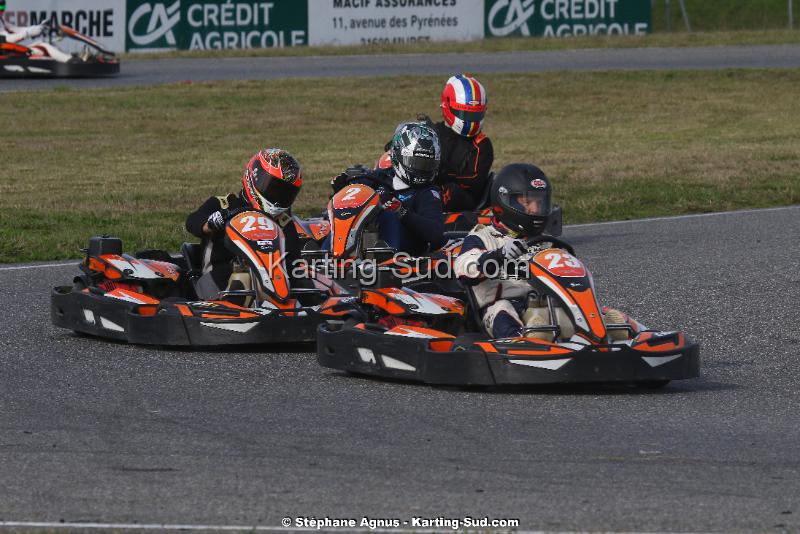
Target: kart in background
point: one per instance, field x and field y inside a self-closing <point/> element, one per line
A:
<point x="354" y="251"/>
<point x="43" y="59"/>
<point x="154" y="298"/>
<point x="405" y="337"/>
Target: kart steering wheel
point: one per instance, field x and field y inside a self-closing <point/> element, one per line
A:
<point x="550" y="239"/>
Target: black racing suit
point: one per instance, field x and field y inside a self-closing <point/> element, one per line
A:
<point x="464" y="170"/>
<point x="421" y="228"/>
<point x="216" y="257"/>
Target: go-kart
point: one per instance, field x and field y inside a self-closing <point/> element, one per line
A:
<point x="577" y="341"/>
<point x="155" y="298"/>
<point x="355" y="253"/>
<point x="42" y="59"/>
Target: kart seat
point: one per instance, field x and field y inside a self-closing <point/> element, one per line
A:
<point x="452" y="235"/>
<point x="484" y="201"/>
<point x="474" y="313"/>
<point x="203" y="284"/>
<point x="193" y="256"/>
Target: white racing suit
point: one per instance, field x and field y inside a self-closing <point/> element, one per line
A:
<point x="503" y="302"/>
<point x="14" y="34"/>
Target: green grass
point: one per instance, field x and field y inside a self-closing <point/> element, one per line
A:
<point x="725" y="15"/>
<point x="134" y="161"/>
<point x="514" y="44"/>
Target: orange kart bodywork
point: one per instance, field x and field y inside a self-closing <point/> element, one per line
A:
<point x="152" y="299"/>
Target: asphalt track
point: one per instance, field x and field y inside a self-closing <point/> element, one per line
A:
<point x="148" y="72"/>
<point x="100" y="432"/>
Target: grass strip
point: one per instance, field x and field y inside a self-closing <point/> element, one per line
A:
<point x="512" y="44"/>
<point x="134" y="161"/>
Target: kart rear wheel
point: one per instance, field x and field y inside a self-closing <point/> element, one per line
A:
<point x="652" y="384"/>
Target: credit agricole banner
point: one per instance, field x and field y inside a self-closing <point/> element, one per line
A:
<point x="146" y="25"/>
<point x="205" y="24"/>
<point x="564" y="18"/>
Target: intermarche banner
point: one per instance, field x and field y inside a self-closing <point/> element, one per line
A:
<point x="103" y="20"/>
<point x="159" y="25"/>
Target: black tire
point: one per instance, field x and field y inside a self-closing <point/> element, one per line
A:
<point x="652" y="384"/>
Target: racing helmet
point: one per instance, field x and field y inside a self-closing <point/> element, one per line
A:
<point x="521" y="198"/>
<point x="415" y="153"/>
<point x="271" y="181"/>
<point x="464" y="105"/>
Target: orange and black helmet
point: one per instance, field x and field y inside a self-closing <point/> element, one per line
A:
<point x="271" y="181"/>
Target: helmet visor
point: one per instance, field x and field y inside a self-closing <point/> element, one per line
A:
<point x="420" y="164"/>
<point x="276" y="191"/>
<point x="528" y="202"/>
<point x="474" y="114"/>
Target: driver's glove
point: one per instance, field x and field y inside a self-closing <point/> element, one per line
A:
<point x="339" y="181"/>
<point x="514" y="248"/>
<point x="391" y="203"/>
<point x="216" y="221"/>
<point x="35" y="31"/>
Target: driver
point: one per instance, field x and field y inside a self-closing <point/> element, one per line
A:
<point x="521" y="203"/>
<point x="13" y="34"/>
<point x="271" y="181"/>
<point x="412" y="219"/>
<point x="467" y="153"/>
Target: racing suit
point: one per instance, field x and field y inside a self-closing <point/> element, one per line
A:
<point x="505" y="303"/>
<point x="501" y="301"/>
<point x="464" y="170"/>
<point x="418" y="226"/>
<point x="216" y="256"/>
<point x="13" y="34"/>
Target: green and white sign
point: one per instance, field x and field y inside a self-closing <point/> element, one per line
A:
<point x="209" y="24"/>
<point x="565" y="18"/>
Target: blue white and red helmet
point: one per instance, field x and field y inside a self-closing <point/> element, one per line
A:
<point x="464" y="105"/>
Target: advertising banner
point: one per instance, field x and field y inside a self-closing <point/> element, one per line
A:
<point x="365" y="22"/>
<point x="203" y="24"/>
<point x="102" y="20"/>
<point x="565" y="18"/>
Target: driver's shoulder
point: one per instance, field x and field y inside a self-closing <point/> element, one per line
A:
<point x="488" y="234"/>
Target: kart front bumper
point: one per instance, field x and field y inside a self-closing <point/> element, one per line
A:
<point x="23" y="67"/>
<point x="124" y="321"/>
<point x="362" y="351"/>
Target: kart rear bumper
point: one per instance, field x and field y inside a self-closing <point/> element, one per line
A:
<point x="24" y="67"/>
<point x="373" y="353"/>
<point x="117" y="319"/>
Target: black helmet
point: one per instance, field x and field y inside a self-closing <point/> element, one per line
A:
<point x="415" y="153"/>
<point x="520" y="195"/>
